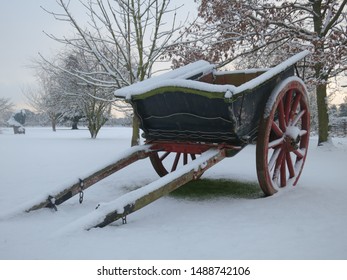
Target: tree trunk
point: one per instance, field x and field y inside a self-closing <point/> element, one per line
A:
<point x="321" y="90"/>
<point x="54" y="124"/>
<point x="323" y="117"/>
<point x="74" y="125"/>
<point x="135" y="139"/>
<point x="92" y="130"/>
<point x="75" y="122"/>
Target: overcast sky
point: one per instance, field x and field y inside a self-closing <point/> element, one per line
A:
<point x="22" y="23"/>
<point x="21" y="29"/>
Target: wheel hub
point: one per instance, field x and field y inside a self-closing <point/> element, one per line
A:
<point x="292" y="144"/>
<point x="292" y="138"/>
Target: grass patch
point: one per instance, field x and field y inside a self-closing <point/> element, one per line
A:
<point x="208" y="188"/>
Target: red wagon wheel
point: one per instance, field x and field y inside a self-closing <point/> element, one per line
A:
<point x="283" y="137"/>
<point x="172" y="155"/>
<point x="166" y="162"/>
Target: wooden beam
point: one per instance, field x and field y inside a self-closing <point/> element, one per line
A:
<point x="131" y="155"/>
<point x="137" y="199"/>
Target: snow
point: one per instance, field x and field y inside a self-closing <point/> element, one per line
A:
<point x="228" y="94"/>
<point x="294" y="132"/>
<point x="272" y="72"/>
<point x="303" y="222"/>
<point x="170" y="78"/>
<point x="13" y="122"/>
<point x="177" y="78"/>
<point x="277" y="90"/>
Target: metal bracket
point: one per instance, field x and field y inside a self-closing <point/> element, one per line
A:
<point x="81" y="194"/>
<point x="124" y="220"/>
<point x="51" y="203"/>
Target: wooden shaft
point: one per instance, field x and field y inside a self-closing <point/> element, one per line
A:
<point x="95" y="177"/>
<point x="167" y="187"/>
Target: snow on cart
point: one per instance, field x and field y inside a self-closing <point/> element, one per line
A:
<point x="195" y="116"/>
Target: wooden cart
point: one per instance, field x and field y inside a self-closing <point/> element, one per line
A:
<point x="195" y="116"/>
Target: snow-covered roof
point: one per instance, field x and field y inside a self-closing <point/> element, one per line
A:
<point x="180" y="78"/>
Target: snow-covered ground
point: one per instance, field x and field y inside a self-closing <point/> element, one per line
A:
<point x="305" y="222"/>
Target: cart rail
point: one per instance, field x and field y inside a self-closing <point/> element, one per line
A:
<point x="58" y="197"/>
<point x="119" y="208"/>
<point x="186" y="77"/>
<point x="128" y="203"/>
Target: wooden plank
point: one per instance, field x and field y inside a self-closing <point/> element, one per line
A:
<point x="137" y="199"/>
<point x="132" y="155"/>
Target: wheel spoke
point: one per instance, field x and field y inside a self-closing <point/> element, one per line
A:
<point x="290" y="165"/>
<point x="300" y="153"/>
<point x="295" y="104"/>
<point x="281" y="117"/>
<point x="177" y="158"/>
<point x="278" y="165"/>
<point x="288" y="106"/>
<point x="185" y="158"/>
<point x="276" y="129"/>
<point x="164" y="156"/>
<point x="273" y="159"/>
<point x="283" y="172"/>
<point x="276" y="142"/>
<point x="298" y="117"/>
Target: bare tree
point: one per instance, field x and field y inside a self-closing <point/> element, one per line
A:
<point x="64" y="95"/>
<point x="89" y="100"/>
<point x="264" y="29"/>
<point x="126" y="37"/>
<point x="46" y="97"/>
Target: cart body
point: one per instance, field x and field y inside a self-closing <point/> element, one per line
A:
<point x="197" y="103"/>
